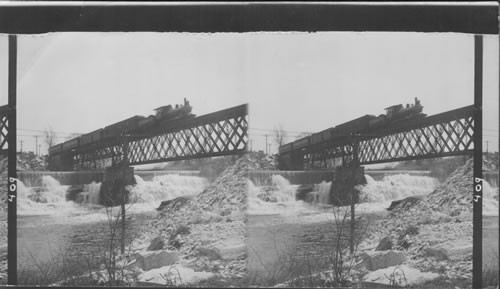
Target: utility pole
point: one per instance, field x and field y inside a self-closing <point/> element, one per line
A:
<point x="487" y="146"/>
<point x="39" y="150"/>
<point x="266" y="144"/>
<point x="21" y="145"/>
<point x="36" y="144"/>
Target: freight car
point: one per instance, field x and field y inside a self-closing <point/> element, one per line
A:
<point x="91" y="137"/>
<point x="122" y="127"/>
<point x="56" y="149"/>
<point x="393" y="113"/>
<point x="71" y="144"/>
<point x="133" y="124"/>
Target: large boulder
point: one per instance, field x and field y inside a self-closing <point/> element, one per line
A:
<point x="226" y="249"/>
<point x="384" y="244"/>
<point x="172" y="276"/>
<point x="155" y="259"/>
<point x="404" y="203"/>
<point x="452" y="250"/>
<point x="375" y="260"/>
<point x="156" y="244"/>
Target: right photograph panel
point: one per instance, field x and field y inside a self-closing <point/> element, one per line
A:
<point x="367" y="141"/>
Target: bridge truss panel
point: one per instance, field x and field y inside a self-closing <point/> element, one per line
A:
<point x="217" y="134"/>
<point x="4" y="128"/>
<point x="446" y="134"/>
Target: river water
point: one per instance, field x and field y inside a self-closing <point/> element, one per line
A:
<point x="287" y="237"/>
<point x="49" y="226"/>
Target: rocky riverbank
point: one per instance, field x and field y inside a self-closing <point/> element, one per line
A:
<point x="432" y="235"/>
<point x="200" y="239"/>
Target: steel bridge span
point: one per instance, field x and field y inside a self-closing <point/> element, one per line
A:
<point x="445" y="134"/>
<point x="220" y="133"/>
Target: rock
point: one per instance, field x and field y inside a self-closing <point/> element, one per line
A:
<point x="303" y="190"/>
<point x="156" y="244"/>
<point x="384" y="244"/>
<point x="226" y="249"/>
<point x="173" y="276"/>
<point x="401" y="275"/>
<point x="437" y="253"/>
<point x="173" y="204"/>
<point x="404" y="203"/>
<point x="211" y="252"/>
<point x="382" y="259"/>
<point x="155" y="259"/>
<point x="451" y="250"/>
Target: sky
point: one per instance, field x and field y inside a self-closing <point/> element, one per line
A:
<point x="303" y="82"/>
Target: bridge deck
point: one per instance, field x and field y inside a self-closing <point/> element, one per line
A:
<point x="445" y="134"/>
<point x="216" y="134"/>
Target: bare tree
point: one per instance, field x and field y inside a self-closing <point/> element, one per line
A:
<point x="279" y="135"/>
<point x="49" y="136"/>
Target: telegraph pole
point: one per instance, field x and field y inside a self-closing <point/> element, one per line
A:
<point x="21" y="145"/>
<point x="266" y="144"/>
<point x="36" y="144"/>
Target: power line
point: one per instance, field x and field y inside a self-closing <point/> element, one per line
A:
<point x="36" y="130"/>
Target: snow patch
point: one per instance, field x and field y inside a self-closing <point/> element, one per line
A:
<point x="174" y="275"/>
<point x="400" y="275"/>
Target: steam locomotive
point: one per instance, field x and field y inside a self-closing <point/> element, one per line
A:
<point x="368" y="122"/>
<point x="163" y="114"/>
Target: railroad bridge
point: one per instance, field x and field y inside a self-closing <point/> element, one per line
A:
<point x="370" y="140"/>
<point x="445" y="134"/>
<point x="141" y="140"/>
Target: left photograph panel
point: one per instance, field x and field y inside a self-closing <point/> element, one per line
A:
<point x="131" y="157"/>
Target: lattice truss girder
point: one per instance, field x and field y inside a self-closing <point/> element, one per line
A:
<point x="4" y="131"/>
<point x="440" y="139"/>
<point x="223" y="137"/>
<point x="451" y="137"/>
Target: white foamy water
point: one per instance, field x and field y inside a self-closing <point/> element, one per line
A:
<point x="50" y="199"/>
<point x="375" y="195"/>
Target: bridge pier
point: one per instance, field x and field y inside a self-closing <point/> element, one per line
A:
<point x="114" y="183"/>
<point x="343" y="186"/>
<point x="61" y="162"/>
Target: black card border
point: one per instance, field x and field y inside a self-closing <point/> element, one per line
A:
<point x="43" y="17"/>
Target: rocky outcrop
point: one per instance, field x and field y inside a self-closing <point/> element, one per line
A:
<point x="155" y="259"/>
<point x="382" y="259"/>
<point x="156" y="244"/>
<point x="225" y="250"/>
<point x="384" y="244"/>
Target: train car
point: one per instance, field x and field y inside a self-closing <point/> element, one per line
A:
<point x="321" y="136"/>
<point x="55" y="149"/>
<point x="378" y="121"/>
<point x="91" y="137"/>
<point x="147" y="122"/>
<point x="352" y="126"/>
<point x="302" y="143"/>
<point x="285" y="148"/>
<point x="71" y="144"/>
<point x="121" y="127"/>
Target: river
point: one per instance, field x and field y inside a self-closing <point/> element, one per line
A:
<point x="289" y="237"/>
<point x="81" y="231"/>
